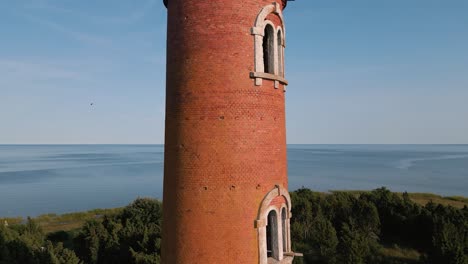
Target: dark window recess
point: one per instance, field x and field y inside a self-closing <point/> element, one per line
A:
<point x="283" y="229"/>
<point x="272" y="235"/>
<point x="268" y="50"/>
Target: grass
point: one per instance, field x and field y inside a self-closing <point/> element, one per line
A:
<point x="11" y="221"/>
<point x="65" y="222"/>
<point x="408" y="255"/>
<point x="425" y="198"/>
<point x="51" y="223"/>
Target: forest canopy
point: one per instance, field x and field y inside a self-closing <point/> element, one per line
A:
<point x="339" y="227"/>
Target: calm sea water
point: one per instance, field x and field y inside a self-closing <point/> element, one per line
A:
<point x="38" y="179"/>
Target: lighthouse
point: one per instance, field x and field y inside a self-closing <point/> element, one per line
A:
<point x="225" y="192"/>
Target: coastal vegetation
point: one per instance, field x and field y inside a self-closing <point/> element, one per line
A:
<point x="376" y="226"/>
<point x="123" y="235"/>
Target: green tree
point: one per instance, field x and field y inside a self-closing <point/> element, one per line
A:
<point x="132" y="236"/>
<point x="354" y="247"/>
<point x="450" y="244"/>
<point x="59" y="255"/>
<point x="323" y="241"/>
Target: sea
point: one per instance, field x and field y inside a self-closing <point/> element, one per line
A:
<point x="40" y="179"/>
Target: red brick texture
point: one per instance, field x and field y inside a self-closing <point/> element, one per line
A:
<point x="278" y="201"/>
<point x="225" y="145"/>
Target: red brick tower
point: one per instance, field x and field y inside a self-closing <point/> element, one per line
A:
<point x="225" y="170"/>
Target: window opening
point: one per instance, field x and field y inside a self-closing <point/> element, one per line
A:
<point x="268" y="50"/>
<point x="283" y="228"/>
<point x="272" y="235"/>
<point x="280" y="54"/>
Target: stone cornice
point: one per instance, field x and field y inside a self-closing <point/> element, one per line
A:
<point x="268" y="76"/>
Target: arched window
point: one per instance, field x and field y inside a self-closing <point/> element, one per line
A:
<point x="273" y="217"/>
<point x="269" y="46"/>
<point x="280" y="54"/>
<point x="272" y="235"/>
<point x="283" y="229"/>
<point x="268" y="50"/>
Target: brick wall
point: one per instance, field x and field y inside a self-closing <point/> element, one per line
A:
<point x="225" y="145"/>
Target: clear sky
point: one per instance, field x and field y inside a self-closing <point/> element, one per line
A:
<point x="359" y="71"/>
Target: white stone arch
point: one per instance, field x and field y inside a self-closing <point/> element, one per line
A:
<point x="258" y="32"/>
<point x="273" y="8"/>
<point x="262" y="219"/>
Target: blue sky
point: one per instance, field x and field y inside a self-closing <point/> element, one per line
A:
<point x="359" y="71"/>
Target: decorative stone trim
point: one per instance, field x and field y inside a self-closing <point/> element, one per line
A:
<point x="258" y="32"/>
<point x="292" y="254"/>
<point x="268" y="76"/>
<point x="262" y="221"/>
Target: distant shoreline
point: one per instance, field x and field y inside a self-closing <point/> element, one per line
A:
<point x="42" y="179"/>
